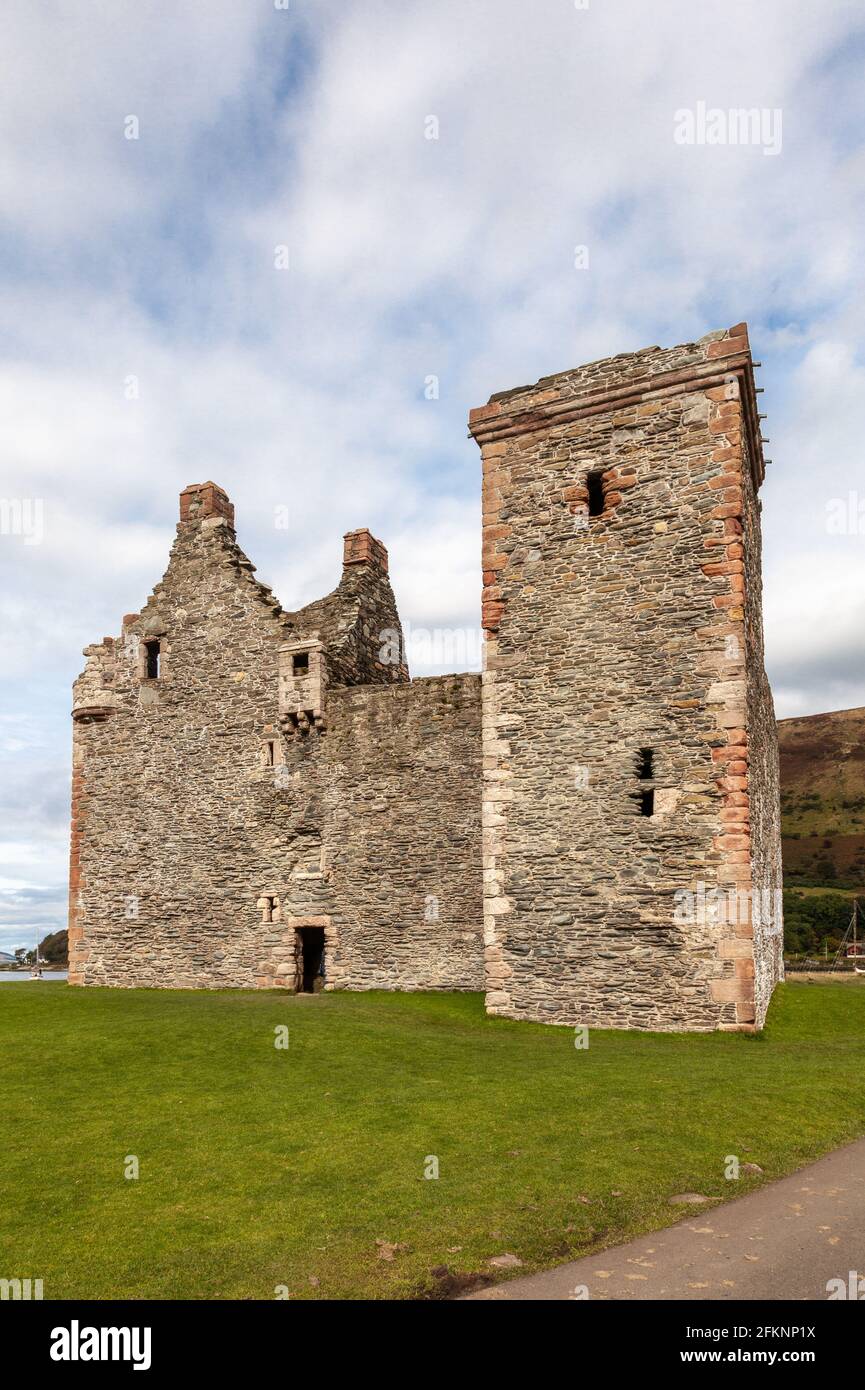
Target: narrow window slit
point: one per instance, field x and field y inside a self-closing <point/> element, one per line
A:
<point x="151" y="650"/>
<point x="647" y="803"/>
<point x="595" y="485"/>
<point x="646" y="764"/>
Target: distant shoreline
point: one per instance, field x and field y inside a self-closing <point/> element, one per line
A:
<point x="25" y="969"/>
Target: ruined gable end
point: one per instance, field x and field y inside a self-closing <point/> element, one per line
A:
<point x="261" y="798"/>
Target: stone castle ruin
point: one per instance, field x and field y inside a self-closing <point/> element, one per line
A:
<point x="264" y="798"/>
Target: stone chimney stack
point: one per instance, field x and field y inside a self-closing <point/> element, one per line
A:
<point x="201" y="500"/>
<point x="362" y="548"/>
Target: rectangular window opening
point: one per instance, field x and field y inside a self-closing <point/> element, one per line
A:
<point x="647" y="803"/>
<point x="595" y="485"/>
<point x="646" y="764"/>
<point x="151" y="654"/>
<point x="269" y="752"/>
<point x="300" y="663"/>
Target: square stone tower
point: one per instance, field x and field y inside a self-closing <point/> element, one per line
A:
<point x="631" y="827"/>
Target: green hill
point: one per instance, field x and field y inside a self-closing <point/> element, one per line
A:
<point x="823" y="800"/>
<point x="822" y="827"/>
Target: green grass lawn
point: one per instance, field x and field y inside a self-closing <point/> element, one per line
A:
<point x="262" y="1167"/>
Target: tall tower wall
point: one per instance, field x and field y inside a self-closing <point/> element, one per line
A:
<point x="630" y="818"/>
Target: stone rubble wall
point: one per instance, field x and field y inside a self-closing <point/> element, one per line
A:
<point x="403" y="840"/>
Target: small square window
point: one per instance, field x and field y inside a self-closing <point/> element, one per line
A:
<point x="270" y="908"/>
<point x="300" y="663"/>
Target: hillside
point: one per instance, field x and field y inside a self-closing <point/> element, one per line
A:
<point x="823" y="799"/>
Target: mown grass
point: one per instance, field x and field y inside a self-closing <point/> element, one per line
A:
<point x="262" y="1167"/>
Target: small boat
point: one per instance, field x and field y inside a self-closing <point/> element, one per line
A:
<point x="851" y="948"/>
<point x="36" y="967"/>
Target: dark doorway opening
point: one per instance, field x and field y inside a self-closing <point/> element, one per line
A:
<point x="311" y="959"/>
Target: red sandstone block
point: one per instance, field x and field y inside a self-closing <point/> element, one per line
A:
<point x="725" y="842"/>
<point x="746" y="1014"/>
<point x="497" y="476"/>
<point x="730" y="496"/>
<point x="496" y="533"/>
<point x="723" y="567"/>
<point x="735" y="551"/>
<point x="729" y="990"/>
<point x="735" y="948"/>
<point x="725" y="347"/>
<point x="725" y="510"/>
<point x="491" y="614"/>
<point x="744" y="967"/>
<point x="491" y="561"/>
<point x="612" y="499"/>
<point x="732" y="526"/>
<point x="733" y="784"/>
<point x="484" y="412"/>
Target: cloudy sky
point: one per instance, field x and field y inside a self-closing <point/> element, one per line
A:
<point x="151" y="335"/>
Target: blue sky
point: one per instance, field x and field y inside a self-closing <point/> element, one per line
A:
<point x="303" y="388"/>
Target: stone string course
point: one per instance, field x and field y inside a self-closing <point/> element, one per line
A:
<point x="282" y="772"/>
